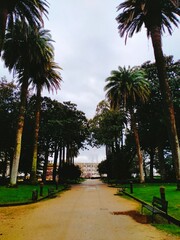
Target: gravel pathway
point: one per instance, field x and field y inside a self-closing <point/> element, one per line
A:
<point x="89" y="211"/>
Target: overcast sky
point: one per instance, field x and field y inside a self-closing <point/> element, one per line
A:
<point x="88" y="47"/>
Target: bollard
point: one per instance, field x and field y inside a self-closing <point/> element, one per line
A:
<point x="162" y="192"/>
<point x="131" y="187"/>
<point x="41" y="188"/>
<point x="57" y="181"/>
<point x="35" y="195"/>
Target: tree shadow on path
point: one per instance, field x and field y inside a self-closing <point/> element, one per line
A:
<point x="143" y="219"/>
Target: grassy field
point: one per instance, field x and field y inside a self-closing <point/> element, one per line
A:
<point x="23" y="193"/>
<point x="145" y="192"/>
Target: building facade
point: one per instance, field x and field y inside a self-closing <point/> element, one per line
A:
<point x="89" y="170"/>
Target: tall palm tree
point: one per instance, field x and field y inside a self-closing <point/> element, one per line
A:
<point x="125" y="88"/>
<point x="23" y="49"/>
<point x="157" y="16"/>
<point x="22" y="10"/>
<point x="45" y="74"/>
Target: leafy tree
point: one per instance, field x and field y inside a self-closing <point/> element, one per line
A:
<point x="151" y="117"/>
<point x="69" y="172"/>
<point x="125" y="88"/>
<point x="62" y="127"/>
<point x="107" y="128"/>
<point x="156" y="17"/>
<point x="9" y="100"/>
<point x="103" y="167"/>
<point x="76" y="126"/>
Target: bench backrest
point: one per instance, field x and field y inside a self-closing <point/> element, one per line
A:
<point x="160" y="204"/>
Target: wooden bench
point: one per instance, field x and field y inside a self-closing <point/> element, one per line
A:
<point x="159" y="206"/>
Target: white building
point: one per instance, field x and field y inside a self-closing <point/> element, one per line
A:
<point x="89" y="170"/>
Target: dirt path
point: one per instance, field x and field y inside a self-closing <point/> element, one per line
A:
<point x="83" y="213"/>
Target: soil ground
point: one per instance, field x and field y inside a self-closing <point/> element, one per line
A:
<point x="89" y="211"/>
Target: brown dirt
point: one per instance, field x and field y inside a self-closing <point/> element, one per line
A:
<point x="88" y="211"/>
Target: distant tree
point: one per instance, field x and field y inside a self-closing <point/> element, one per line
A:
<point x="9" y="101"/>
<point x="151" y="117"/>
<point x="69" y="172"/>
<point x="103" y="167"/>
<point x="124" y="89"/>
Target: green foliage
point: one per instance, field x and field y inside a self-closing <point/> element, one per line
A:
<point x="61" y="125"/>
<point x="146" y="192"/>
<point x="135" y="14"/>
<point x="170" y="228"/>
<point x="71" y="172"/>
<point x="22" y="193"/>
<point x="103" y="167"/>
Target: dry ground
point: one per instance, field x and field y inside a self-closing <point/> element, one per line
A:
<point x="89" y="211"/>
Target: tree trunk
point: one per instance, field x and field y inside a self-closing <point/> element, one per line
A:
<point x="152" y="153"/>
<point x="138" y="148"/>
<point x="34" y="179"/>
<point x="17" y="149"/>
<point x="45" y="162"/>
<point x="60" y="156"/>
<point x="167" y="99"/>
<point x="3" y="19"/>
<point x="63" y="158"/>
<point x="4" y="166"/>
<point x="60" y="160"/>
<point x="56" y="151"/>
<point x="67" y="153"/>
<point x="161" y="161"/>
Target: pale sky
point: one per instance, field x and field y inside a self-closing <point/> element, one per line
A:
<point x="88" y="47"/>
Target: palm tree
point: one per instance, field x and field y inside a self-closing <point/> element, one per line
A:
<point x="23" y="49"/>
<point x="126" y="87"/>
<point x="157" y="16"/>
<point x="46" y="74"/>
<point x="20" y="10"/>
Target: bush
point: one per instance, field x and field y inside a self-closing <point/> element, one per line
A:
<point x="71" y="172"/>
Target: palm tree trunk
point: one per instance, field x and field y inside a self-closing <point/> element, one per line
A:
<point x="36" y="134"/>
<point x="161" y="161"/>
<point x="152" y="153"/>
<point x="4" y="166"/>
<point x="167" y="99"/>
<point x="67" y="153"/>
<point x="17" y="150"/>
<point x="56" y="152"/>
<point x="138" y="148"/>
<point x="3" y="19"/>
<point x="63" y="158"/>
<point x="45" y="161"/>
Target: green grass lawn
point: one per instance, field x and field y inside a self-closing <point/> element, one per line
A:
<point x="23" y="193"/>
<point x="146" y="192"/>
